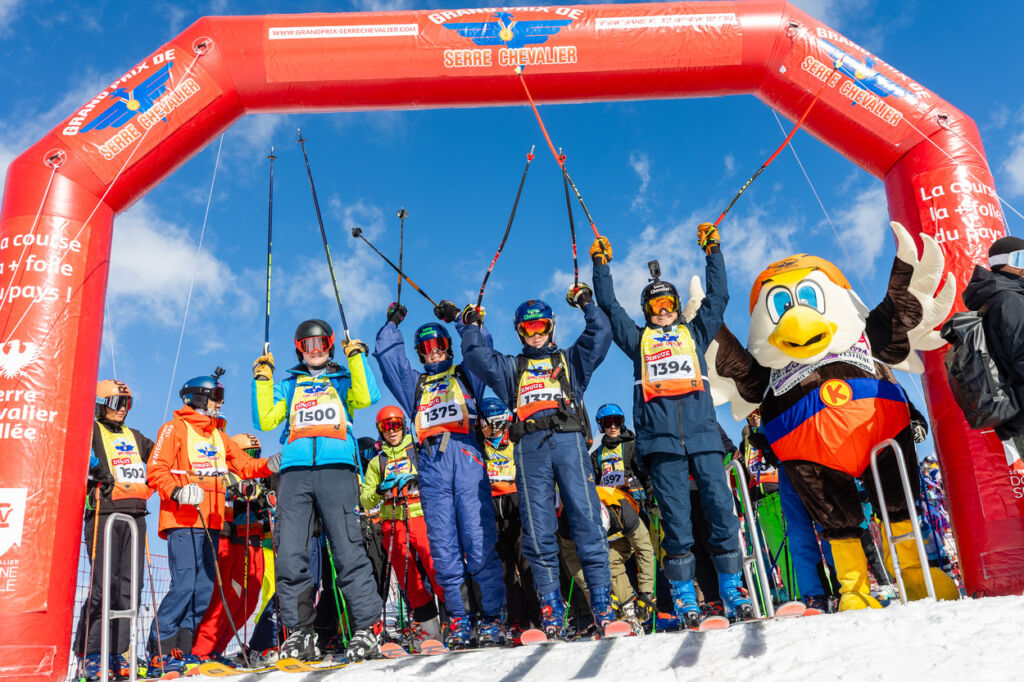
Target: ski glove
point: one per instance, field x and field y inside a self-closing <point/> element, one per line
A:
<point x="601" y="251"/>
<point x="248" y="490"/>
<point x="354" y="347"/>
<point x="919" y="429"/>
<point x="386" y="484"/>
<point x="189" y="494"/>
<point x="396" y="313"/>
<point x="707" y="238"/>
<point x="274" y="462"/>
<point x="404" y="480"/>
<point x="472" y="314"/>
<point x="579" y="295"/>
<point x="446" y="311"/>
<point x="263" y="368"/>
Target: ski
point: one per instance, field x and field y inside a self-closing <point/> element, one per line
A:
<point x="392" y="650"/>
<point x="431" y="647"/>
<point x="294" y="665"/>
<point x="790" y="609"/>
<point x="216" y="669"/>
<point x="617" y="628"/>
<point x="712" y="623"/>
<point x="533" y="636"/>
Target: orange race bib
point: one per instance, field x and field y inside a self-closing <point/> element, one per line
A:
<point x="316" y="410"/>
<point x="125" y="463"/>
<point x="669" y="363"/>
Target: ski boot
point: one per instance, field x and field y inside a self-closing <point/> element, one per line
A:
<point x="913" y="572"/>
<point x="190" y="661"/>
<point x="421" y="632"/>
<point x="684" y="603"/>
<point x="301" y="644"/>
<point x="601" y="607"/>
<point x="91" y="667"/>
<point x="630" y="613"/>
<point x="713" y="608"/>
<point x="168" y="663"/>
<point x="734" y="597"/>
<point x="552" y="615"/>
<point x="460" y="633"/>
<point x="821" y="603"/>
<point x="490" y="631"/>
<point x="365" y="643"/>
<point x="647" y="607"/>
<point x="263" y="659"/>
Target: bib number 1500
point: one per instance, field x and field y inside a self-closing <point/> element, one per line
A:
<point x="318" y="416"/>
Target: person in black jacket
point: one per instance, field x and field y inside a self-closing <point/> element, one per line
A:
<point x="1002" y="289"/>
<point x="615" y="462"/>
<point x="116" y="483"/>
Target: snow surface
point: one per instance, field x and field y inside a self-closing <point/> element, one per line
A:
<point x="973" y="639"/>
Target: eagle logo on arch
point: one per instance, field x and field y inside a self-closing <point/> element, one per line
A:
<point x="130" y="103"/>
<point x="507" y="30"/>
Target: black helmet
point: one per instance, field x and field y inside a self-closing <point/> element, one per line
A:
<point x="656" y="289"/>
<point x="198" y="391"/>
<point x="313" y="329"/>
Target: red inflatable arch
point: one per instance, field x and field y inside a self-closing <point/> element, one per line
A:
<point x="62" y="195"/>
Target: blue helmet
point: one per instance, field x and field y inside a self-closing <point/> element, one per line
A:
<point x="608" y="410"/>
<point x="197" y="391"/>
<point x="493" y="407"/>
<point x="534" y="309"/>
<point x="429" y="336"/>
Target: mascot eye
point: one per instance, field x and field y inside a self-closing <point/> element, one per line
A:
<point x="810" y="294"/>
<point x="779" y="301"/>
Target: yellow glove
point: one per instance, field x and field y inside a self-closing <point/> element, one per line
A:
<point x="471" y="314"/>
<point x="707" y="237"/>
<point x="354" y="347"/>
<point x="601" y="250"/>
<point x="263" y="368"/>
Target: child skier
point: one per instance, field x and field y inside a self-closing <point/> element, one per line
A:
<point x="523" y="608"/>
<point x="454" y="490"/>
<point x="318" y="477"/>
<point x="117" y="483"/>
<point x="188" y="467"/>
<point x="675" y="419"/>
<point x="391" y="482"/>
<point x="615" y="461"/>
<point x="544" y="386"/>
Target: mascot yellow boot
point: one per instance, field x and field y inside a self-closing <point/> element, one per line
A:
<point x="852" y="574"/>
<point x="910" y="566"/>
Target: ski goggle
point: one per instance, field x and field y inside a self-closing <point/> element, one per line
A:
<point x="216" y="394"/>
<point x="390" y="425"/>
<point x="1014" y="259"/>
<point x="612" y="420"/>
<point x="315" y="344"/>
<point x="427" y="346"/>
<point x="116" y="402"/>
<point x="659" y="303"/>
<point x="499" y="422"/>
<point x="534" y="327"/>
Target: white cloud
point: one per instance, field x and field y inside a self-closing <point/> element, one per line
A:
<point x="863" y="227"/>
<point x="250" y="139"/>
<point x="8" y="12"/>
<point x="832" y="12"/>
<point x="641" y="165"/>
<point x="1014" y="166"/>
<point x="152" y="262"/>
<point x="730" y="164"/>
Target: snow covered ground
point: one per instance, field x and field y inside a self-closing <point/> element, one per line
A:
<point x="963" y="641"/>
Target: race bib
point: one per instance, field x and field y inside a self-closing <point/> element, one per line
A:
<point x="664" y="366"/>
<point x="613" y="479"/>
<point x="438" y="415"/>
<point x="320" y="414"/>
<point x="316" y="410"/>
<point x="130" y="473"/>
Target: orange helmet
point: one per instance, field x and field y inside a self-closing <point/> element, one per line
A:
<point x="113" y="394"/>
<point x="247" y="441"/>
<point x="388" y="415"/>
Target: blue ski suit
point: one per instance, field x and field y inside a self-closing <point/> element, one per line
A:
<point x="678" y="434"/>
<point x="455" y="492"/>
<point x="546" y="458"/>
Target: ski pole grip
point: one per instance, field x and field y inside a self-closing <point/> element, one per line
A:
<point x="357" y="232"/>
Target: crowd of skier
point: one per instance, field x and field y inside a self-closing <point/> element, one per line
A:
<point x="487" y="503"/>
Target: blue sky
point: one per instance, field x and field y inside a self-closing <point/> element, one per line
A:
<point x="649" y="171"/>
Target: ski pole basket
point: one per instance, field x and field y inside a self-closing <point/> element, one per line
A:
<point x="756" y="556"/>
<point x="915" y="533"/>
<point x="131" y="614"/>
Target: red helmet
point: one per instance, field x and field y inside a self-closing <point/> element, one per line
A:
<point x="388" y="415"/>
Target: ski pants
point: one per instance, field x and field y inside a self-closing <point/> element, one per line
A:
<point x="191" y="560"/>
<point x="523" y="607"/>
<point x="332" y="493"/>
<point x="406" y="542"/>
<point x="545" y="459"/>
<point x="803" y="543"/>
<point x="670" y="474"/>
<point x="120" y="583"/>
<point x="455" y="495"/>
<point x="636" y="543"/>
<point x="242" y="577"/>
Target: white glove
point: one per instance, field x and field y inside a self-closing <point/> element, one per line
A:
<point x="274" y="462"/>
<point x="189" y="494"/>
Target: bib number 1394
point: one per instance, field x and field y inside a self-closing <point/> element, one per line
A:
<point x="671" y="368"/>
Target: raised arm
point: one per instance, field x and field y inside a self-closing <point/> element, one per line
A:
<point x="477" y="384"/>
<point x="592" y="345"/>
<point x="624" y="330"/>
<point x="708" y="320"/>
<point x="398" y="374"/>
<point x="481" y="360"/>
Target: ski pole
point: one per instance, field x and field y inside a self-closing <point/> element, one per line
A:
<point x="572" y="229"/>
<point x="388" y="563"/>
<point x="657" y="562"/>
<point x="220" y="587"/>
<point x="339" y="598"/>
<point x="92" y="576"/>
<point x="568" y="605"/>
<point x="402" y="215"/>
<point x="270" y="232"/>
<point x="323" y="235"/>
<point x="152" y="598"/>
<point x="777" y="151"/>
<point x="559" y="157"/>
<point x="245" y="573"/>
<point x="408" y="557"/>
<point x="278" y="624"/>
<point x="358" y="232"/>
<point x="508" y="228"/>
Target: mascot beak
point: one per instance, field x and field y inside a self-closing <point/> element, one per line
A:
<point x="802" y="332"/>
